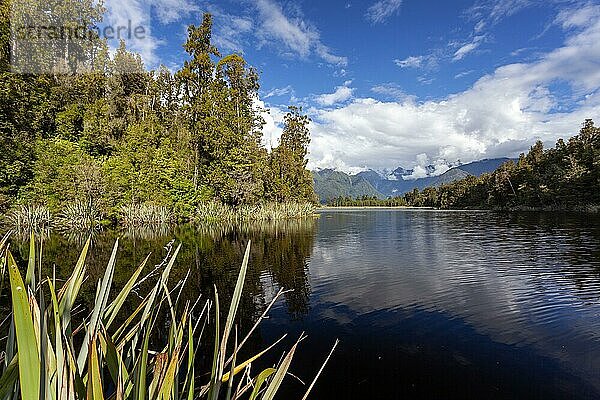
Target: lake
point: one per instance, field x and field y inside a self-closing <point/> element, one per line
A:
<point x="426" y="304"/>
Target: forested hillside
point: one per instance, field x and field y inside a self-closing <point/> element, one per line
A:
<point x="565" y="177"/>
<point x="111" y="133"/>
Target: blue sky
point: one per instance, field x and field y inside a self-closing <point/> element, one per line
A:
<point x="402" y="82"/>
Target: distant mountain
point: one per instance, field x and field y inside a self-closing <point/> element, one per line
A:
<point x="330" y="183"/>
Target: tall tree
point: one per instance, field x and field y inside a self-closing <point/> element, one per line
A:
<point x="290" y="178"/>
<point x="197" y="80"/>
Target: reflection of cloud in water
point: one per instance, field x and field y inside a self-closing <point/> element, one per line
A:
<point x="521" y="283"/>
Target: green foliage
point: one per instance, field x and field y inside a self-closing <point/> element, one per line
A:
<point x="367" y="201"/>
<point x="119" y="135"/>
<point x="213" y="211"/>
<point x="30" y="218"/>
<point x="288" y="178"/>
<point x="64" y="173"/>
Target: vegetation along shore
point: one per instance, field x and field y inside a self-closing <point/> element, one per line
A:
<point x="124" y="145"/>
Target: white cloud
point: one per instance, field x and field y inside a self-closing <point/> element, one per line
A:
<point x="393" y="91"/>
<point x="424" y="167"/>
<point x="382" y="10"/>
<point x="502" y="114"/>
<point x="467" y="48"/>
<point x="428" y="61"/>
<point x="279" y="92"/>
<point x="463" y="74"/>
<point x="273" y="124"/>
<point x="464" y="50"/>
<point x="341" y="94"/>
<point x="230" y="32"/>
<point x="138" y="13"/>
<point x="293" y="33"/>
<point x="410" y="62"/>
<point x="490" y="12"/>
<point x="169" y="11"/>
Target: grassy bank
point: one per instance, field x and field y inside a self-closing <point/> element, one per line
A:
<point x="80" y="216"/>
<point x="55" y="348"/>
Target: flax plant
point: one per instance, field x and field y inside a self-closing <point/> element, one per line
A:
<point x="49" y="354"/>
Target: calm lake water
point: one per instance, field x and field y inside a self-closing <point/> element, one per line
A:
<point x="426" y="304"/>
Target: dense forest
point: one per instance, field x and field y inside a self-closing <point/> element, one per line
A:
<point x="565" y="177"/>
<point x="111" y="134"/>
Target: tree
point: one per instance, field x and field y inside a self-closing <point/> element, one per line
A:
<point x="289" y="179"/>
<point x="197" y="81"/>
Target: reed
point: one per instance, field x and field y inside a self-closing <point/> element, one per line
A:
<point x="217" y="212"/>
<point x="42" y="359"/>
<point x="213" y="211"/>
<point x="30" y="217"/>
<point x="79" y="216"/>
<point x="146" y="214"/>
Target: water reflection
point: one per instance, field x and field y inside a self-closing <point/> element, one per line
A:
<point x="462" y="284"/>
<point x="212" y="253"/>
<point x="427" y="304"/>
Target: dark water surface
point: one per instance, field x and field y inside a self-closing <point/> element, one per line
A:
<point x="426" y="304"/>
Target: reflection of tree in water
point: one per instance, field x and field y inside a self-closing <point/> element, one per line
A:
<point x="212" y="254"/>
<point x="278" y="254"/>
<point x="282" y="253"/>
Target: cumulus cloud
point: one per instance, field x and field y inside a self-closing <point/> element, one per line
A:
<point x="425" y="167"/>
<point x="502" y="114"/>
<point x="382" y="10"/>
<point x="340" y="95"/>
<point x="273" y="127"/>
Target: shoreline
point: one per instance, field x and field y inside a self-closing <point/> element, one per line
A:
<point x="594" y="210"/>
<point x="325" y="208"/>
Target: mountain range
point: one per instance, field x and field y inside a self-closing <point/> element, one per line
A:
<point x="330" y="183"/>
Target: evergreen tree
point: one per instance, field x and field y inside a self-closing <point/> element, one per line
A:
<point x="290" y="180"/>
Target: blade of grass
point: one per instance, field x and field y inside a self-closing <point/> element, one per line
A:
<point x="190" y="375"/>
<point x="243" y="365"/>
<point x="320" y="370"/>
<point x="260" y="380"/>
<point x="70" y="290"/>
<point x="231" y="373"/>
<point x="113" y="309"/>
<point x="142" y="365"/>
<point x="235" y="301"/>
<point x="9" y="378"/>
<point x="99" y="307"/>
<point x="29" y="362"/>
<point x="58" y="343"/>
<point x="30" y="276"/>
<point x="167" y="384"/>
<point x="94" y="384"/>
<point x="280" y="374"/>
<point x="215" y="383"/>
